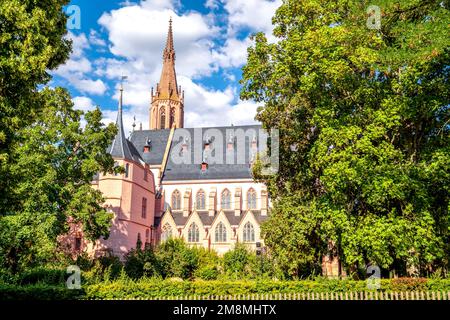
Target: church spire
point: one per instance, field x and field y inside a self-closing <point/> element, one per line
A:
<point x="169" y="51"/>
<point x="167" y="87"/>
<point x="119" y="147"/>
<point x="167" y="107"/>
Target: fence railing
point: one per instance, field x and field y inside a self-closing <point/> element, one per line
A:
<point x="349" y="295"/>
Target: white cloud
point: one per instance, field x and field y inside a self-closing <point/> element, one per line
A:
<point x="75" y="70"/>
<point x="96" y="87"/>
<point x="83" y="103"/>
<point x="79" y="44"/>
<point x="94" y="38"/>
<point x="74" y="67"/>
<point x="233" y="54"/>
<point x="136" y="35"/>
<point x="139" y="33"/>
<point x="254" y="14"/>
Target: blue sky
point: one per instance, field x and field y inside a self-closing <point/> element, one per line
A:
<point x="127" y="37"/>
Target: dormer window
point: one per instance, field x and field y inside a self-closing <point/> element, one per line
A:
<point x="207" y="143"/>
<point x="204" y="166"/>
<point x="230" y="143"/>
<point x="147" y="146"/>
<point x="184" y="145"/>
<point x="254" y="143"/>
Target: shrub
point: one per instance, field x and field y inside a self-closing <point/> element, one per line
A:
<point x="38" y="292"/>
<point x="43" y="276"/>
<point x="208" y="272"/>
<point x="235" y="261"/>
<point x="139" y="263"/>
<point x="177" y="259"/>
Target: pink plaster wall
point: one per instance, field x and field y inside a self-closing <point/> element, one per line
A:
<point x="123" y="196"/>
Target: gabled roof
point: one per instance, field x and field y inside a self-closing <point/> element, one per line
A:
<point x="175" y="171"/>
<point x="192" y="171"/>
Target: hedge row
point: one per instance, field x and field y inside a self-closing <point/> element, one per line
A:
<point x="154" y="288"/>
<point x="39" y="292"/>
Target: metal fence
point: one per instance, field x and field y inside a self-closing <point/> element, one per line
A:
<point x="349" y="295"/>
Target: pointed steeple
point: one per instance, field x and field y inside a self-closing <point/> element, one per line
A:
<point x="167" y="87"/>
<point x="167" y="104"/>
<point x="120" y="147"/>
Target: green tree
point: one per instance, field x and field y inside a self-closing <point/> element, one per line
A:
<point x="363" y="116"/>
<point x="236" y="261"/>
<point x="177" y="259"/>
<point x="55" y="161"/>
<point x="32" y="42"/>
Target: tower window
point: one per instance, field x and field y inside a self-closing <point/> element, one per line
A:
<point x="144" y="208"/>
<point x="163" y="118"/>
<point x="77" y="243"/>
<point x="172" y="117"/>
<point x="127" y="170"/>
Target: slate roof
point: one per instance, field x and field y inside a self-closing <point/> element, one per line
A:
<point x="207" y="220"/>
<point x="120" y="146"/>
<point x="158" y="144"/>
<point x="233" y="219"/>
<point x="192" y="171"/>
<point x="179" y="219"/>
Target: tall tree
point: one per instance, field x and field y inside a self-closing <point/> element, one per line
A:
<point x="363" y="115"/>
<point x="32" y="42"/>
<point x="47" y="160"/>
<point x="55" y="161"/>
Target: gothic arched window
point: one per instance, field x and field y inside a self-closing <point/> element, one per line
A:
<point x="163" y="118"/>
<point x="221" y="233"/>
<point x="249" y="233"/>
<point x="172" y="117"/>
<point x="226" y="199"/>
<point x="193" y="233"/>
<point x="251" y="199"/>
<point x="166" y="232"/>
<point x="200" y="200"/>
<point x="176" y="200"/>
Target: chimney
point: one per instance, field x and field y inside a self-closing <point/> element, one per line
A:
<point x="204" y="166"/>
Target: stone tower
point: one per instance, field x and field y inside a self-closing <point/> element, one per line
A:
<point x="167" y="104"/>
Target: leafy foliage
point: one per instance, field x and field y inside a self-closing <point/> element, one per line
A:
<point x="54" y="162"/>
<point x="32" y="42"/>
<point x="363" y="116"/>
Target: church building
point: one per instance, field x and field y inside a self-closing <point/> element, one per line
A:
<point x="189" y="183"/>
